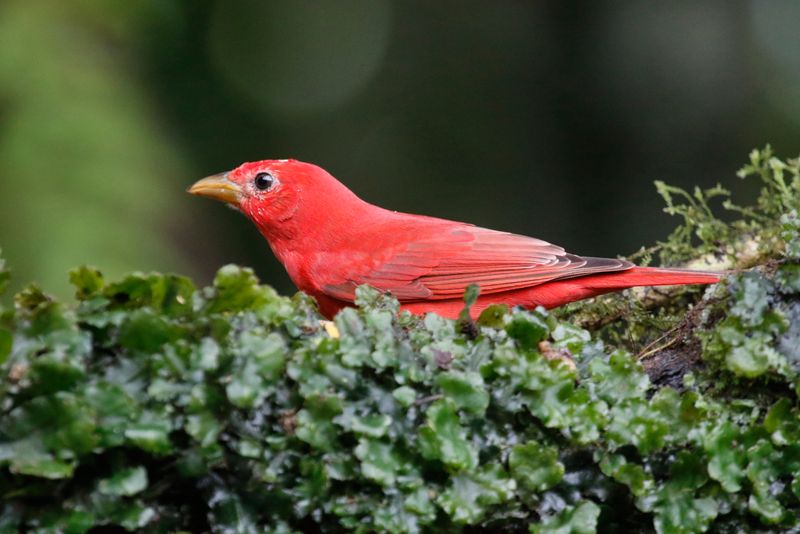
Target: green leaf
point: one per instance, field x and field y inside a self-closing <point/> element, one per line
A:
<point x="790" y="223"/>
<point x="405" y="395"/>
<point x="47" y="318"/>
<point x="229" y="514"/>
<point x="372" y="425"/>
<point x="535" y="467"/>
<point x="466" y="390"/>
<point x="87" y="281"/>
<point x="469" y="496"/>
<point x="421" y="504"/>
<point x="727" y="456"/>
<point x="632" y="475"/>
<point x="69" y="522"/>
<point x="243" y="388"/>
<point x="619" y="378"/>
<point x="115" y="410"/>
<point x="164" y="293"/>
<point x="579" y="519"/>
<point x="528" y="330"/>
<point x="44" y="467"/>
<point x="750" y="354"/>
<point x="32" y="298"/>
<point x="260" y="362"/>
<point x="208" y="354"/>
<point x="131" y="516"/>
<point x="368" y="298"/>
<point x="551" y="395"/>
<point x="314" y="422"/>
<point x="146" y="332"/>
<point x="752" y="298"/>
<point x="636" y="423"/>
<point x="783" y="423"/>
<point x="676" y="505"/>
<point x="471" y="294"/>
<point x="766" y="467"/>
<point x="150" y="436"/>
<point x="766" y="506"/>
<point x="125" y="482"/>
<point x="266" y="352"/>
<point x="237" y="289"/>
<point x="49" y="375"/>
<point x="64" y="421"/>
<point x="571" y="337"/>
<point x="443" y="438"/>
<point x="379" y="461"/>
<point x="203" y="427"/>
<point x="494" y="316"/>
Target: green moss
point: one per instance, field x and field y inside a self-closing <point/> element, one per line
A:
<point x="158" y="407"/>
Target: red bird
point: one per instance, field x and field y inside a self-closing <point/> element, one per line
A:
<point x="330" y="242"/>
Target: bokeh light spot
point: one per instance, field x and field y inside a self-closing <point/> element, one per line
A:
<point x="299" y="57"/>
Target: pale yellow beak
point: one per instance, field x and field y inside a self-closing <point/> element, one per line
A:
<point x="218" y="187"/>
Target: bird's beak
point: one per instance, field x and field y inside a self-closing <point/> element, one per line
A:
<point x="218" y="187"/>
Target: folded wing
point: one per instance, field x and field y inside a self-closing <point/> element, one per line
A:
<point x="441" y="265"/>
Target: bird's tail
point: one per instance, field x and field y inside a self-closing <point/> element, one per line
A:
<point x="648" y="276"/>
<point x="560" y="292"/>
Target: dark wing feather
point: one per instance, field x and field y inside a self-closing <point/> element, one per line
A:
<point x="440" y="266"/>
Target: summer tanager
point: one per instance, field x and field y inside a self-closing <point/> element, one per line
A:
<point x="330" y="242"/>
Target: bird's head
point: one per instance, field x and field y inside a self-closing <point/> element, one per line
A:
<point x="277" y="194"/>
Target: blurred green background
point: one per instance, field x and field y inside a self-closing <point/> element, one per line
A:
<point x="544" y="118"/>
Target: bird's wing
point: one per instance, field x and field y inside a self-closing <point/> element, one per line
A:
<point x="442" y="264"/>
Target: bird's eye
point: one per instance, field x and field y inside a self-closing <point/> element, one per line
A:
<point x="263" y="181"/>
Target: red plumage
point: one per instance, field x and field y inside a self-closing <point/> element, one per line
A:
<point x="331" y="241"/>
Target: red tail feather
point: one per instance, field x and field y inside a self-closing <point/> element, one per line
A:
<point x="647" y="276"/>
<point x="560" y="292"/>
